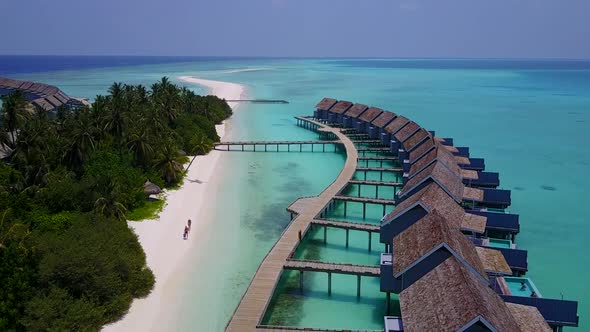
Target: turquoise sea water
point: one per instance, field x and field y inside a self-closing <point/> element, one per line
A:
<point x="528" y="119"/>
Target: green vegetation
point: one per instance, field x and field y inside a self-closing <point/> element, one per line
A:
<point x="150" y="210"/>
<point x="69" y="180"/>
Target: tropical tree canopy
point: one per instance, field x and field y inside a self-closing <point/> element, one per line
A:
<point x="68" y="261"/>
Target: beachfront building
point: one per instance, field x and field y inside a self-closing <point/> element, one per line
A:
<point x="41" y="96"/>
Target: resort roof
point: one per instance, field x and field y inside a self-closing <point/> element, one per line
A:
<point x="528" y="318"/>
<point x="473" y="194"/>
<point x="421" y="150"/>
<point x="397" y="124"/>
<point x="431" y="233"/>
<point x="433" y="196"/>
<point x="341" y="107"/>
<point x="383" y="119"/>
<point x="437" y="154"/>
<point x="370" y="114"/>
<point x="450" y="298"/>
<point x="474" y="223"/>
<point x="493" y="261"/>
<point x="407" y="131"/>
<point x="42" y="95"/>
<point x="419" y="137"/>
<point x="325" y="104"/>
<point x="441" y="174"/>
<point x="356" y="110"/>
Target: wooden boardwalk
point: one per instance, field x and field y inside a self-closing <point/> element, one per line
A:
<point x="255" y="300"/>
<point x="365" y="200"/>
<point x="375" y="149"/>
<point x="264" y="145"/>
<point x="268" y="328"/>
<point x="379" y="169"/>
<point x="376" y="183"/>
<point x="346" y="225"/>
<point x="317" y="266"/>
<point x="379" y="158"/>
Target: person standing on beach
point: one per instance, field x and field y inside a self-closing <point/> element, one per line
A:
<point x="185" y="234"/>
<point x="189" y="225"/>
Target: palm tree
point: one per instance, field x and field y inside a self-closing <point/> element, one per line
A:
<point x="202" y="145"/>
<point x="165" y="96"/>
<point x="14" y="113"/>
<point x="140" y="145"/>
<point x="82" y="142"/>
<point x="169" y="164"/>
<point x="108" y="206"/>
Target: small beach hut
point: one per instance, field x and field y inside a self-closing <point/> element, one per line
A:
<point x="150" y="188"/>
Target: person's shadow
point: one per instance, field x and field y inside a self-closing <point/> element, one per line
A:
<point x="196" y="181"/>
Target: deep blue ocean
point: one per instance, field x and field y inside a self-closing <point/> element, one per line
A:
<point x="529" y="119"/>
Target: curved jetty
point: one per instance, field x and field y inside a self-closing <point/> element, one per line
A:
<point x="449" y="249"/>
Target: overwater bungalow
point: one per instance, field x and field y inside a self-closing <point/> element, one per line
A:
<point x="322" y="108"/>
<point x="377" y="127"/>
<point x="470" y="178"/>
<point x="402" y="135"/>
<point x="451" y="297"/>
<point x="420" y="204"/>
<point x="349" y="117"/>
<point x="499" y="225"/>
<point x="364" y="120"/>
<point x="425" y="245"/>
<point x="336" y="112"/>
<point x="393" y="127"/>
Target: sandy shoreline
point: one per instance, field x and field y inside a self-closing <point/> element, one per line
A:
<point x="161" y="239"/>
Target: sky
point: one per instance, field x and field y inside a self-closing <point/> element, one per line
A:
<point x="298" y="28"/>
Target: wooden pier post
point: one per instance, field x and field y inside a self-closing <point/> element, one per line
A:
<point x="265" y="147"/>
<point x="254" y="147"/>
<point x="325" y="234"/>
<point x="329" y="283"/>
<point x="370" y="239"/>
<point x="347" y="237"/>
<point x="358" y="285"/>
<point x="359" y="191"/>
<point x="344" y="208"/>
<point x="376" y="191"/>
<point x="300" y="147"/>
<point x="301" y="281"/>
<point x="364" y="210"/>
<point x="387" y="305"/>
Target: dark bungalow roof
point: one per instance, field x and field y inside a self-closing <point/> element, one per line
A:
<point x="341" y="107"/>
<point x="493" y="261"/>
<point x="397" y="124"/>
<point x="371" y="114"/>
<point x="383" y="119"/>
<point x="439" y="173"/>
<point x="528" y="318"/>
<point x="325" y="104"/>
<point x="431" y="233"/>
<point x="406" y="131"/>
<point x="498" y="220"/>
<point x="356" y="110"/>
<point x="418" y="152"/>
<point x="42" y="95"/>
<point x="437" y="154"/>
<point x="433" y="196"/>
<point x="419" y="137"/>
<point x="451" y="298"/>
<point x="557" y="312"/>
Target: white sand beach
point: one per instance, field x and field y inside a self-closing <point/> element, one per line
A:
<point x="161" y="239"/>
